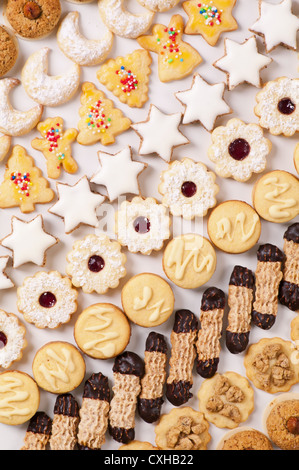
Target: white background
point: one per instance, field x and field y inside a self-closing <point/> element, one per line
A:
<point x="242" y="101"/>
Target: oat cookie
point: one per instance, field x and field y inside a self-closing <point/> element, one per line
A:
<point x="244" y="438"/>
<point x="182" y="429"/>
<point x="96" y="264"/>
<point x="12" y="339"/>
<point x="102" y="331"/>
<point x="65" y="423"/>
<point x="38" y="432"/>
<point x="226" y="400"/>
<point x="289" y="286"/>
<point x="147" y="300"/>
<point x="276" y="196"/>
<point x="9" y="50"/>
<point x="271" y="365"/>
<point x="176" y="58"/>
<point x="183" y="353"/>
<point x="189" y="261"/>
<point x="234" y="226"/>
<point x="19" y="399"/>
<point x="58" y="367"/>
<point x="47" y="299"/>
<point x="23" y="185"/>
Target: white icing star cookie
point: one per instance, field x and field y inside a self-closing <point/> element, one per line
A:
<point x="119" y="173"/>
<point x="5" y="281"/>
<point x="242" y="63"/>
<point x="203" y="102"/>
<point x="277" y="24"/>
<point x="160" y="133"/>
<point x="28" y="241"/>
<point x="77" y="204"/>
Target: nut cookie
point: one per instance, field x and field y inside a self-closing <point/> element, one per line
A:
<point x="9" y="50"/>
<point x="226" y="400"/>
<point x="244" y="438"/>
<point x="272" y="365"/>
<point x="12" y="339"/>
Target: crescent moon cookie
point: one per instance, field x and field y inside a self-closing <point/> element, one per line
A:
<point x="78" y="48"/>
<point x="102" y="331"/>
<point x="23" y="184"/>
<point x="14" y="122"/>
<point x="12" y="339"/>
<point x="123" y="23"/>
<point x="48" y="90"/>
<point x="100" y="120"/>
<point x="188" y="188"/>
<point x="47" y="299"/>
<point x="189" y="261"/>
<point x="242" y="63"/>
<point x="127" y="77"/>
<point x="239" y="150"/>
<point x="176" y="58"/>
<point x="276" y="196"/>
<point x="96" y="264"/>
<point x="278" y="106"/>
<point x="158" y="5"/>
<point x="19" y="399"/>
<point x="277" y="25"/>
<point x="210" y="18"/>
<point x="234" y="227"/>
<point x="9" y="50"/>
<point x="5" y="142"/>
<point x="33" y="19"/>
<point x="56" y="146"/>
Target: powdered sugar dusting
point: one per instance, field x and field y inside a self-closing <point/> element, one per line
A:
<point x="15" y="334"/>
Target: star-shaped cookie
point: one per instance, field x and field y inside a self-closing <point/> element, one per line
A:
<point x="5" y="281"/>
<point x="119" y="173"/>
<point x="277" y="24"/>
<point x="77" y="204"/>
<point x="242" y="63"/>
<point x="210" y="18"/>
<point x="203" y="102"/>
<point x="28" y="241"/>
<point x="160" y="133"/>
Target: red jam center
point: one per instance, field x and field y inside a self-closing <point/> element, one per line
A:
<point x="188" y="189"/>
<point x="286" y="106"/>
<point x="142" y="225"/>
<point x="96" y="264"/>
<point x="239" y="149"/>
<point x="3" y="340"/>
<point x="47" y="300"/>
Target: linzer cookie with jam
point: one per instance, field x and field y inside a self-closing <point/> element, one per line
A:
<point x="183" y="353"/>
<point x="65" y="423"/>
<point x="240" y="299"/>
<point x="268" y="275"/>
<point x="151" y="397"/>
<point x="38" y="432"/>
<point x="209" y="334"/>
<point x="289" y="287"/>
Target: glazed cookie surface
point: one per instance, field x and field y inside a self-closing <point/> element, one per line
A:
<point x="102" y="331"/>
<point x="147" y="300"/>
<point x="12" y="339"/>
<point x="245" y="439"/>
<point x="32" y="20"/>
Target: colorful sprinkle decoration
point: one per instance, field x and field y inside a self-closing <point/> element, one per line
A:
<point x="53" y="136"/>
<point x="22" y="181"/>
<point x="171" y="46"/>
<point x="96" y="119"/>
<point x="211" y="13"/>
<point x="128" y="80"/>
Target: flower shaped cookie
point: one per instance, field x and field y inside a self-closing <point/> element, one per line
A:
<point x="96" y="264"/>
<point x="188" y="188"/>
<point x="142" y="225"/>
<point x="238" y="150"/>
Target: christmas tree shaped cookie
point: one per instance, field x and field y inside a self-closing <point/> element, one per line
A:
<point x="127" y="77"/>
<point x="56" y="146"/>
<point x="176" y="58"/>
<point x="100" y="121"/>
<point x="23" y="184"/>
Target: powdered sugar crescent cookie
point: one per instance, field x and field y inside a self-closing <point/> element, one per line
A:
<point x="100" y="121"/>
<point x="123" y="23"/>
<point x="238" y="150"/>
<point x="296" y="158"/>
<point x="278" y="106"/>
<point x="226" y="400"/>
<point x="96" y="263"/>
<point x="47" y="299"/>
<point x="56" y="146"/>
<point x="23" y="184"/>
<point x="127" y="77"/>
<point x="5" y="141"/>
<point x="12" y="121"/>
<point x="158" y="5"/>
<point x="12" y="339"/>
<point x="78" y="48"/>
<point x="176" y="58"/>
<point x="188" y="188"/>
<point x="45" y="89"/>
